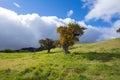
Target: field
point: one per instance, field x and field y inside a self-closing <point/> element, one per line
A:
<point x="92" y="61"/>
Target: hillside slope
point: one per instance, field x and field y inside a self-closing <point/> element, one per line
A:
<point x="93" y="61"/>
<point x="109" y="45"/>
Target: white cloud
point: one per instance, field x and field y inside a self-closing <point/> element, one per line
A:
<point x="69" y="13"/>
<point x="109" y="33"/>
<point x="88" y="3"/>
<point x="94" y="34"/>
<point x="18" y="31"/>
<point x="16" y="4"/>
<point x="102" y="9"/>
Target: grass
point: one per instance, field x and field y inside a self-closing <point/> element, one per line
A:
<point x="94" y="61"/>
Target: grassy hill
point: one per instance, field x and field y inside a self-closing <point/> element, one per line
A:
<point x="93" y="61"/>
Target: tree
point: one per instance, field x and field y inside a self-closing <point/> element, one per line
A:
<point x="69" y="35"/>
<point x="57" y="43"/>
<point x="47" y="44"/>
<point x="7" y="50"/>
<point x="118" y="30"/>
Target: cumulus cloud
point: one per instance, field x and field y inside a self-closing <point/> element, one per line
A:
<point x="69" y="13"/>
<point x="96" y="34"/>
<point x="109" y="33"/>
<point x="16" y="4"/>
<point x="102" y="9"/>
<point x="18" y="31"/>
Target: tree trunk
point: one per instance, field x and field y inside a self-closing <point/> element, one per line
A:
<point x="48" y="50"/>
<point x="65" y="48"/>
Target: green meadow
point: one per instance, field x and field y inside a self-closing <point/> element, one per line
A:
<point x="91" y="61"/>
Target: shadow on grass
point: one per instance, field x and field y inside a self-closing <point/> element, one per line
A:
<point x="54" y="52"/>
<point x="105" y="57"/>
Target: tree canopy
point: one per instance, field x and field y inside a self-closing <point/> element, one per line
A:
<point x="69" y="35"/>
<point x="47" y="44"/>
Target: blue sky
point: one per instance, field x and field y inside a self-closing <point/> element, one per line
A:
<point x="24" y="22"/>
<point x="57" y="8"/>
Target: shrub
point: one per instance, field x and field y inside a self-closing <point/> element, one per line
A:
<point x="7" y="50"/>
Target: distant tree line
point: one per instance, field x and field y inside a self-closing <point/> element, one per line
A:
<point x="28" y="49"/>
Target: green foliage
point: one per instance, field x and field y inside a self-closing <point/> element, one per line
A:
<point x="57" y="43"/>
<point x="47" y="44"/>
<point x="8" y="70"/>
<point x="27" y="70"/>
<point x="69" y="35"/>
<point x="7" y="50"/>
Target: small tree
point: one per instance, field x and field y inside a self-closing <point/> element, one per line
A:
<point x="7" y="50"/>
<point x="69" y="35"/>
<point x="118" y="30"/>
<point x="47" y="44"/>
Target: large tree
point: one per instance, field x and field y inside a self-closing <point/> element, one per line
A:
<point x="47" y="44"/>
<point x="69" y="35"/>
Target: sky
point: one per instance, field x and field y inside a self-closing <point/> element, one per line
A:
<point x="24" y="22"/>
